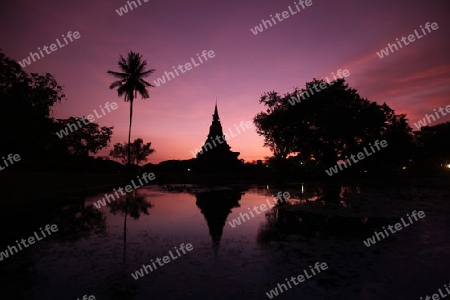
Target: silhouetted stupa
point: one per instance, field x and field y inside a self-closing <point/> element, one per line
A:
<point x="215" y="154"/>
<point x="215" y="207"/>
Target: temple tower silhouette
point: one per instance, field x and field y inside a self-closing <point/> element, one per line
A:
<point x="215" y="207"/>
<point x="215" y="154"/>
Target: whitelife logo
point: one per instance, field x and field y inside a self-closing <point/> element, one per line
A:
<point x="53" y="228"/>
<point x="420" y="124"/>
<point x="225" y="137"/>
<point x="322" y="86"/>
<point x="128" y="189"/>
<point x="281" y="197"/>
<point x="360" y="155"/>
<point x="27" y="61"/>
<point x="85" y="297"/>
<point x="436" y="296"/>
<point x="166" y="259"/>
<point x="274" y="292"/>
<point x="285" y="14"/>
<point x="398" y="227"/>
<point x="123" y="10"/>
<point x="73" y="127"/>
<point x="411" y="38"/>
<point x="162" y="80"/>
<point x="10" y="158"/>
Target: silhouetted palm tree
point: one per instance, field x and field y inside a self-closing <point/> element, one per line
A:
<point x="131" y="82"/>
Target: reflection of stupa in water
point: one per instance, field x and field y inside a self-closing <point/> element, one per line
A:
<point x="215" y="207"/>
<point x="215" y="154"/>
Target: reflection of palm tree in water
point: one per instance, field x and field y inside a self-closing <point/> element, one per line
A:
<point x="133" y="205"/>
<point x="215" y="207"/>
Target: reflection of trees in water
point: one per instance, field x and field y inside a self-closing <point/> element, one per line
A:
<point x="130" y="204"/>
<point x="76" y="221"/>
<point x="330" y="191"/>
<point x="122" y="285"/>
<point x="135" y="206"/>
<point x="288" y="219"/>
<point x="329" y="195"/>
<point x="215" y="207"/>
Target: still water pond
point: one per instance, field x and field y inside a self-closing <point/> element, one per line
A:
<point x="96" y="251"/>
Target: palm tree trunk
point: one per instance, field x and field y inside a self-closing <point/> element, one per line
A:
<point x="125" y="230"/>
<point x="129" y="132"/>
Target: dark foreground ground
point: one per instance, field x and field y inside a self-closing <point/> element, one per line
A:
<point x="324" y="222"/>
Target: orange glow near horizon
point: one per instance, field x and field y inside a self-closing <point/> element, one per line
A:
<point x="177" y="116"/>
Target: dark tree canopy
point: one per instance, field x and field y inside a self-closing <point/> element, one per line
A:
<point x="27" y="126"/>
<point x="434" y="143"/>
<point x="87" y="139"/>
<point x="26" y="100"/>
<point x="329" y="124"/>
<point x="138" y="151"/>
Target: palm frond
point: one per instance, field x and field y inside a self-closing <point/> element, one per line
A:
<point x="146" y="73"/>
<point x="115" y="84"/>
<point x="132" y="71"/>
<point x="142" y="81"/>
<point x="142" y="90"/>
<point x="118" y="74"/>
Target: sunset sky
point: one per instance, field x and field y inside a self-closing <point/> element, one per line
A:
<point x="320" y="39"/>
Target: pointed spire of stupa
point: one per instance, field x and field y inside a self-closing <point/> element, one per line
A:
<point x="216" y="113"/>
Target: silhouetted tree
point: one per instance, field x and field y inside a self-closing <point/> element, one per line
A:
<point x="120" y="151"/>
<point x="26" y="125"/>
<point x="87" y="138"/>
<point x="139" y="151"/>
<point x="434" y="144"/>
<point x="328" y="125"/>
<point x="131" y="83"/>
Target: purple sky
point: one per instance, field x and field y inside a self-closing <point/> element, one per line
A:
<point x="320" y="39"/>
